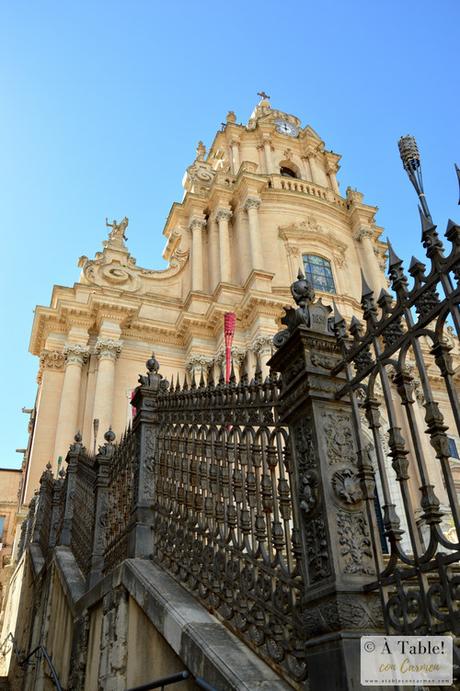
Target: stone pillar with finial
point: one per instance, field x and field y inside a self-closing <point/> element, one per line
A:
<point x="146" y="428"/>
<point x="333" y="485"/>
<point x="72" y="462"/>
<point x="102" y="467"/>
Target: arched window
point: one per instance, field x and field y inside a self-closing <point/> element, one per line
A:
<point x="287" y="172"/>
<point x="318" y="272"/>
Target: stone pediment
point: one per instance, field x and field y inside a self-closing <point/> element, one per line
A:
<point x="310" y="231"/>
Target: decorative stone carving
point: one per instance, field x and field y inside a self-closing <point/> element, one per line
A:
<point x="363" y="232"/>
<point x="317" y="550"/>
<point x="311" y="314"/>
<point x="252" y="203"/>
<point x="355" y="543"/>
<point x="345" y="611"/>
<point x="322" y="360"/>
<point x="197" y="223"/>
<point x="308" y="492"/>
<point x="339" y="438"/>
<point x="223" y="214"/>
<point x="198" y="363"/>
<point x="108" y="348"/>
<point x="117" y="234"/>
<point x="263" y="344"/>
<point x="50" y="360"/>
<point x="345" y="484"/>
<point x="76" y="354"/>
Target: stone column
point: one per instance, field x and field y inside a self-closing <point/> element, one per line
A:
<point x="213" y="254"/>
<point x="75" y="357"/>
<point x="311" y="158"/>
<point x="372" y="270"/>
<point x="333" y="490"/>
<point x="197" y="226"/>
<point x="235" y="149"/>
<point x="50" y="378"/>
<point x="263" y="346"/>
<point x="252" y="205"/>
<point x="223" y="216"/>
<point x="268" y="155"/>
<point x="107" y="351"/>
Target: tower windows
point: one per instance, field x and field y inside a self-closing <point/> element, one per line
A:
<point x="318" y="271"/>
<point x="287" y="172"/>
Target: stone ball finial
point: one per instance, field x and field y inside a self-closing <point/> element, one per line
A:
<point x="77" y="438"/>
<point x="109" y="436"/>
<point x="48" y="466"/>
<point x="302" y="290"/>
<point x="62" y="473"/>
<point x="152" y="364"/>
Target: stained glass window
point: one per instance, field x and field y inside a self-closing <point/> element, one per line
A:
<point x="318" y="272"/>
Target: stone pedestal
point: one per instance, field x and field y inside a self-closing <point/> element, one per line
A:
<point x="333" y="484"/>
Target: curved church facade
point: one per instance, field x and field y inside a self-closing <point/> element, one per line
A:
<point x="263" y="202"/>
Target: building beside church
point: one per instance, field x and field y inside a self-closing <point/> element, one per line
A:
<point x="263" y="202"/>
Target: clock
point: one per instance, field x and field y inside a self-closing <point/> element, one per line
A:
<point x="285" y="127"/>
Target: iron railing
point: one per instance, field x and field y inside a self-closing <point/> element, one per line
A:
<point x="225" y="524"/>
<point x="406" y="343"/>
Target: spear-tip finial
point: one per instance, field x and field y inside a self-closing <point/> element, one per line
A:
<point x="365" y="287"/>
<point x="457" y="170"/>
<point x="337" y="316"/>
<point x="393" y="259"/>
<point x="426" y="221"/>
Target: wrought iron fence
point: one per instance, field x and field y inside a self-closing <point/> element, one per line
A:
<point x="83" y="501"/>
<point x="120" y="499"/>
<point x="225" y="524"/>
<point x="404" y="341"/>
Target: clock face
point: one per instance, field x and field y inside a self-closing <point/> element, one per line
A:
<point x="284" y="127"/>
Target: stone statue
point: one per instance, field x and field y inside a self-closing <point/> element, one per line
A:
<point x="118" y="229"/>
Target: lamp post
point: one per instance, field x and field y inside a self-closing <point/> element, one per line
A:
<point x="410" y="157"/>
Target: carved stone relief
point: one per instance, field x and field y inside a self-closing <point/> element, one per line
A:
<point x="339" y="438"/>
<point x="345" y="483"/>
<point x="355" y="543"/>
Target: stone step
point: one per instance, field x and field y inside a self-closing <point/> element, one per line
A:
<point x="4" y="684"/>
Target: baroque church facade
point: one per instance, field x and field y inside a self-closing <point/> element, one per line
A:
<point x="261" y="204"/>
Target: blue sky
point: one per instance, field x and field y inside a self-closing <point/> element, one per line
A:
<point x="102" y="104"/>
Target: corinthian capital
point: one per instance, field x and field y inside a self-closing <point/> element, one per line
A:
<point x="198" y="363"/>
<point x="252" y="203"/>
<point x="107" y="348"/>
<point x="76" y="354"/>
<point x="365" y="232"/>
<point x="223" y="214"/>
<point x="263" y="344"/>
<point x="197" y="223"/>
<point x="50" y="360"/>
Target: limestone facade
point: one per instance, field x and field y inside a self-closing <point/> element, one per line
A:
<point x="263" y="196"/>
